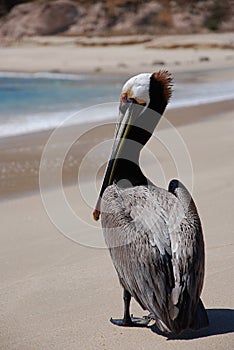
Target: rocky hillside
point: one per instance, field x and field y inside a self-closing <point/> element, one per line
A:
<point x="19" y="18"/>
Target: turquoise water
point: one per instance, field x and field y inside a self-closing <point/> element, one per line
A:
<point x="30" y="95"/>
<point x="33" y="102"/>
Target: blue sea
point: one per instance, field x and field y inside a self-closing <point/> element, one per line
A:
<point x="41" y="101"/>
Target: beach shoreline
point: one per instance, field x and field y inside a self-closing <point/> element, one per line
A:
<point x="21" y="154"/>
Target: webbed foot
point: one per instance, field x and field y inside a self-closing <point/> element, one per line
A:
<point x="132" y="321"/>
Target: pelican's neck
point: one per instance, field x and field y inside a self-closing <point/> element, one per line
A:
<point x="127" y="168"/>
<point x="128" y="173"/>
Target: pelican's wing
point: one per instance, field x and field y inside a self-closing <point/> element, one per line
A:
<point x="137" y="224"/>
<point x="188" y="261"/>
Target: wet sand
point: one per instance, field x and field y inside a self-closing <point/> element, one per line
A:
<point x="20" y="156"/>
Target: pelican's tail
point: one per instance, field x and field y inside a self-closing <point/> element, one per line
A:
<point x="200" y="318"/>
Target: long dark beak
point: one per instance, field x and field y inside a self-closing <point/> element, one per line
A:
<point x="129" y="113"/>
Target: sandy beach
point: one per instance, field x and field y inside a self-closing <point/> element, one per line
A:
<point x="103" y="56"/>
<point x="58" y="289"/>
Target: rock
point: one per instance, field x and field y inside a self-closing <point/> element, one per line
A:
<point x="55" y="17"/>
<point x="94" y="20"/>
<point x="137" y="18"/>
<point x="105" y="18"/>
<point x="39" y="18"/>
<point x="158" y="63"/>
<point x="204" y="59"/>
<point x="122" y="65"/>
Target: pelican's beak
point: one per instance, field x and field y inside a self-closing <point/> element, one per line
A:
<point x="128" y="114"/>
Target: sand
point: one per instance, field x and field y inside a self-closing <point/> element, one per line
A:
<point x="57" y="293"/>
<point x="61" y="54"/>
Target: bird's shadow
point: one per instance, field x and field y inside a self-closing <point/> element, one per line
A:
<point x="221" y="321"/>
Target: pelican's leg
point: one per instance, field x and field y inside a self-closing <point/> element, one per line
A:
<point x="127" y="320"/>
<point x="127" y="299"/>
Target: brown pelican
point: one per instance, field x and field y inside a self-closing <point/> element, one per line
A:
<point x="154" y="236"/>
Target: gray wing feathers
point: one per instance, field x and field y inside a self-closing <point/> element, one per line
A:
<point x="187" y="256"/>
<point x="149" y="239"/>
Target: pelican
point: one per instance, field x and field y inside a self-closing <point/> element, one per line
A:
<point x="154" y="235"/>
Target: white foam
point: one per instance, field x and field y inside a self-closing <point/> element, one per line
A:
<point x="184" y="95"/>
<point x="43" y="75"/>
<point x="47" y="121"/>
<point x="195" y="94"/>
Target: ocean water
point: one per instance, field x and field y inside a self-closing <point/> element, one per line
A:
<point x="40" y="101"/>
<point x="34" y="102"/>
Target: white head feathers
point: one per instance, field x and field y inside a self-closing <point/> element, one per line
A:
<point x="137" y="87"/>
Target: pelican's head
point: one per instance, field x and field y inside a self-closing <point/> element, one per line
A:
<point x="136" y="88"/>
<point x="143" y="100"/>
<point x="147" y="89"/>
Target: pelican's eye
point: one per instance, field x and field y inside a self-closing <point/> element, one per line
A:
<point x="124" y="98"/>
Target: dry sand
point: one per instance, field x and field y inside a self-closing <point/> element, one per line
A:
<point x="57" y="294"/>
<point x="61" y="54"/>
